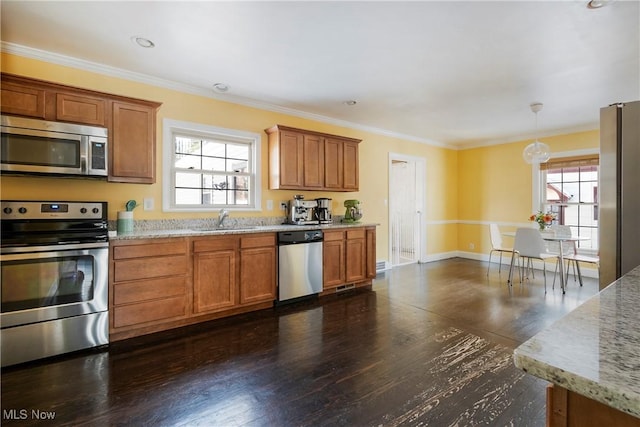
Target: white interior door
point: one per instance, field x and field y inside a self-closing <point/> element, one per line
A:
<point x="406" y="204"/>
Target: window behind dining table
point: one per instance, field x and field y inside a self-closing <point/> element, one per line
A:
<point x="570" y="189"/>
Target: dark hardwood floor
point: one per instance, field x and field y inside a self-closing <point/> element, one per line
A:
<point x="428" y="345"/>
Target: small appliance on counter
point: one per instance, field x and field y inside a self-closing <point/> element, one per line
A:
<point x="353" y="212"/>
<point x="302" y="212"/>
<point x="323" y="211"/>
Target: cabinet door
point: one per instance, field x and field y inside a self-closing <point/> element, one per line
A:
<point x="22" y="100"/>
<point x="371" y="252"/>
<point x="350" y="164"/>
<point x="257" y="275"/>
<point x="291" y="159"/>
<point x="133" y="147"/>
<point x="313" y="161"/>
<point x="355" y="256"/>
<point x="214" y="280"/>
<point x="333" y="259"/>
<point x="80" y="109"/>
<point x="333" y="163"/>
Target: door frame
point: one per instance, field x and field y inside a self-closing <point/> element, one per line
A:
<point x="421" y="196"/>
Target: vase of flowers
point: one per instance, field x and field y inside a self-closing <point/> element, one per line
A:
<point x="543" y="219"/>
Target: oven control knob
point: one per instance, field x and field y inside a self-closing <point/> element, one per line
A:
<point x="22" y="210"/>
<point x="95" y="210"/>
<point x="7" y="210"/>
<point x="83" y="210"/>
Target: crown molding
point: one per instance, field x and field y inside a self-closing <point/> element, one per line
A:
<point x="54" y="58"/>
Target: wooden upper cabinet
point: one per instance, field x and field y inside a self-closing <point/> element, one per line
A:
<point x="133" y="143"/>
<point x="313" y="161"/>
<point x="22" y="100"/>
<point x="131" y="122"/>
<point x="290" y="152"/>
<point x="350" y="177"/>
<point x="308" y="160"/>
<point x="334" y="163"/>
<point x="80" y="109"/>
<point x="258" y="268"/>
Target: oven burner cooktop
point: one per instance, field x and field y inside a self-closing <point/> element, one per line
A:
<point x="48" y="223"/>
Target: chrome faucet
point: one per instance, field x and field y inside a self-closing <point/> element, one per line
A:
<point x="221" y="216"/>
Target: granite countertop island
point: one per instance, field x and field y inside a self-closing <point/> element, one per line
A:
<point x="594" y="350"/>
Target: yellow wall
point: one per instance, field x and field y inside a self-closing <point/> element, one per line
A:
<point x="442" y="164"/>
<point x="494" y="185"/>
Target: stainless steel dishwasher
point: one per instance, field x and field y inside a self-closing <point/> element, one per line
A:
<point x="299" y="264"/>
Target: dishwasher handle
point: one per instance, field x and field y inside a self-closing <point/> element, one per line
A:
<point x="299" y="236"/>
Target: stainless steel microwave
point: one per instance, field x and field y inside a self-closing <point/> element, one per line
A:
<point x="30" y="146"/>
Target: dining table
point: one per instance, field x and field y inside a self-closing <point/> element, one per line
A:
<point x="560" y="238"/>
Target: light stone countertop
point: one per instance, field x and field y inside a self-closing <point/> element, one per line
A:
<point x="204" y="230"/>
<point x="595" y="349"/>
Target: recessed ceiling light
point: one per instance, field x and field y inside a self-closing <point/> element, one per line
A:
<point x="220" y="87"/>
<point x="597" y="4"/>
<point x="350" y="102"/>
<point x="143" y="42"/>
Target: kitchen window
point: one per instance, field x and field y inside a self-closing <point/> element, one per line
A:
<point x="208" y="168"/>
<point x="569" y="187"/>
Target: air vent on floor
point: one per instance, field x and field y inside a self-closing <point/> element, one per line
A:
<point x="381" y="266"/>
<point x="343" y="288"/>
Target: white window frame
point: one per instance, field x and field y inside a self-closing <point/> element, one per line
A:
<point x="172" y="127"/>
<point x="539" y="184"/>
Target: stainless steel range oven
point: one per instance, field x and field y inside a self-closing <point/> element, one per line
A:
<point x="54" y="262"/>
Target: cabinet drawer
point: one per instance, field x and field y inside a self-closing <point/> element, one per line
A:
<point x="147" y="268"/>
<point x="356" y="234"/>
<point x="258" y="241"/>
<point x="215" y="244"/>
<point x="149" y="250"/>
<point x="333" y="235"/>
<point x="145" y="290"/>
<point x="135" y="314"/>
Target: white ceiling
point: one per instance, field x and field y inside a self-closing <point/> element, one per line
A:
<point x="457" y="73"/>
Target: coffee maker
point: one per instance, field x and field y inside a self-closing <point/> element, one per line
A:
<point x="353" y="212"/>
<point x="302" y="212"/>
<point x="323" y="211"/>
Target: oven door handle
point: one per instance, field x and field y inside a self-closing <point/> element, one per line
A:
<point x="34" y="250"/>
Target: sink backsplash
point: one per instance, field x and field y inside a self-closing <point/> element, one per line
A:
<point x="230" y="222"/>
<point x="179" y="224"/>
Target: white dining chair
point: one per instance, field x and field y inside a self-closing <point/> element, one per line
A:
<point x="497" y="246"/>
<point x="529" y="244"/>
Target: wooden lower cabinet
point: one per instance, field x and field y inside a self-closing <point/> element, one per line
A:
<point x="355" y="254"/>
<point x="566" y="408"/>
<point x="159" y="284"/>
<point x="349" y="257"/>
<point x="371" y="252"/>
<point x="149" y="281"/>
<point x="214" y="274"/>
<point x="333" y="259"/>
<point x="258" y="269"/>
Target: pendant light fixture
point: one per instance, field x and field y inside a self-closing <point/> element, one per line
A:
<point x="536" y="152"/>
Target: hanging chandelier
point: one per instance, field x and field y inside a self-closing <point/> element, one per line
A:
<point x="536" y="152"/>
